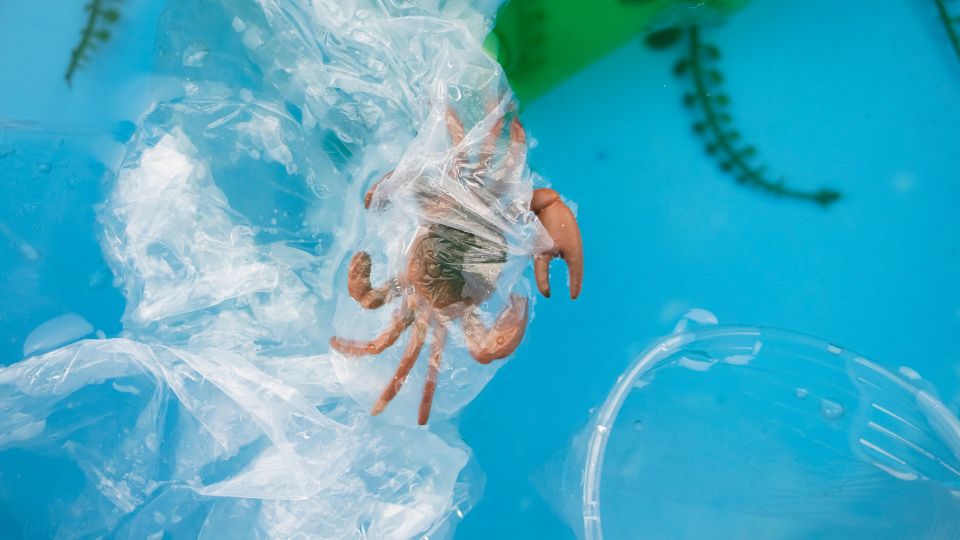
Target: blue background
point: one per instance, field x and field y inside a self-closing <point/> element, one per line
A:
<point x="863" y="96"/>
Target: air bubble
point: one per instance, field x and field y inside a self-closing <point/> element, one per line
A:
<point x="98" y="278"/>
<point x="830" y="409"/>
<point x="801" y="393"/>
<point x="638" y="425"/>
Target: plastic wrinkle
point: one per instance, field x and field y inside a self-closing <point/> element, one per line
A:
<point x="220" y="412"/>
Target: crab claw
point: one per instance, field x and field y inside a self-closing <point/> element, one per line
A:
<point x="562" y="227"/>
<point x="368" y="198"/>
<point x="489" y="344"/>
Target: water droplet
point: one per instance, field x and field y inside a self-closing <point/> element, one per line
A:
<point x="98" y="278"/>
<point x="638" y="425"/>
<point x="801" y="393"/>
<point x="455" y="93"/>
<point x="43" y="168"/>
<point x="830" y="409"/>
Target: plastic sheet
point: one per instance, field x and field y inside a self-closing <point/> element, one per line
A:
<point x="203" y="443"/>
<point x="220" y="412"/>
<point x="737" y="432"/>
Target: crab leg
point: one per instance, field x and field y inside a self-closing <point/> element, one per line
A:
<point x="430" y="386"/>
<point x="485" y="157"/>
<point x="562" y="227"/>
<point x="401" y="320"/>
<point x="407" y="361"/>
<point x="517" y="152"/>
<point x="454" y="126"/>
<point x="358" y="283"/>
<point x="489" y="344"/>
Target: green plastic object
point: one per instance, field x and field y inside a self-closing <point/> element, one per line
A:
<point x="540" y="43"/>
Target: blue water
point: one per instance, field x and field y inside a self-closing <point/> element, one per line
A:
<point x="55" y="142"/>
<point x="862" y="96"/>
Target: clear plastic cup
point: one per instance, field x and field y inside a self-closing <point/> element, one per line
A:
<point x="737" y="432"/>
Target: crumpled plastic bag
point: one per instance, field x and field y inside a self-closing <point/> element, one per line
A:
<point x="219" y="411"/>
<point x="204" y="443"/>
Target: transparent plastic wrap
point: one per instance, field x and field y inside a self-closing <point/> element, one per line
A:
<point x="449" y="235"/>
<point x="229" y="226"/>
<point x="204" y="443"/>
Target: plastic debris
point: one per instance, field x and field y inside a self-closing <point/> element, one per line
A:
<point x="746" y="432"/>
<point x="55" y="333"/>
<point x="219" y="411"/>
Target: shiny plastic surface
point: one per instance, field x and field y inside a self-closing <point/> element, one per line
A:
<point x="736" y="432"/>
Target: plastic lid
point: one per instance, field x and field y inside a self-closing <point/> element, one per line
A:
<point x="736" y="432"/>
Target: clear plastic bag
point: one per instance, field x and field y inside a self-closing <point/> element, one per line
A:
<point x="219" y="411"/>
<point x="449" y="232"/>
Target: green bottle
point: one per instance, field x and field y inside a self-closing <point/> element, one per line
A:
<point x="540" y="43"/>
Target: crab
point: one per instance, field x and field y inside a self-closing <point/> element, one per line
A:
<point x="450" y="271"/>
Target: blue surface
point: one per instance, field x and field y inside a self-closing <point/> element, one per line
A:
<point x="862" y="96"/>
<point x="56" y="145"/>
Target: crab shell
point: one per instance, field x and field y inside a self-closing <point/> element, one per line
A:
<point x="454" y="269"/>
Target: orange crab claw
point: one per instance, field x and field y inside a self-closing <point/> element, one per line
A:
<point x="359" y="286"/>
<point x="489" y="344"/>
<point x="368" y="198"/>
<point x="562" y="227"/>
